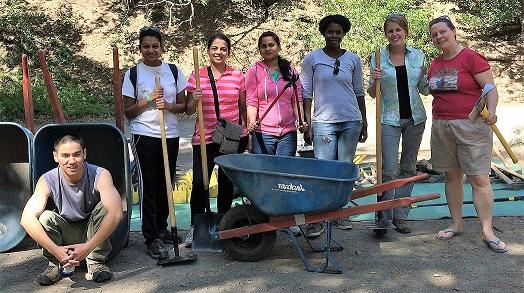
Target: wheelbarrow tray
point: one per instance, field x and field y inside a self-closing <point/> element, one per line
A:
<point x="280" y="186"/>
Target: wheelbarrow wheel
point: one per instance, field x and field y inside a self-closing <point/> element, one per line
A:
<point x="252" y="247"/>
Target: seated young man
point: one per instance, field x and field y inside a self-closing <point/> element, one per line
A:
<point x="88" y="209"/>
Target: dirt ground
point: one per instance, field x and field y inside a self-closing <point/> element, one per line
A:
<point x="396" y="263"/>
<point x="417" y="262"/>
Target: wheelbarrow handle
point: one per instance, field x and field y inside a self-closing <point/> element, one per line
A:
<point x="378" y="188"/>
<point x="276" y="223"/>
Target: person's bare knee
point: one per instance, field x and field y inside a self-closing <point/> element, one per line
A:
<point x="479" y="181"/>
<point x="454" y="176"/>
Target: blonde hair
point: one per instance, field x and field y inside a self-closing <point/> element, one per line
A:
<point x="399" y="19"/>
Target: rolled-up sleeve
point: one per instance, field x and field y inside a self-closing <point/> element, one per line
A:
<point x="358" y="79"/>
<point x="306" y="77"/>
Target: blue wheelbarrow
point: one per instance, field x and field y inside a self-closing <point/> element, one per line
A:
<point x="292" y="191"/>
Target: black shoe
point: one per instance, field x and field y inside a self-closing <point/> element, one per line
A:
<point x="156" y="249"/>
<point x="401" y="226"/>
<point x="380" y="231"/>
<point x="98" y="272"/>
<point x="50" y="276"/>
<point x="167" y="238"/>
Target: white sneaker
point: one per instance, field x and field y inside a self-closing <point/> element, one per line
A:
<point x="188" y="242"/>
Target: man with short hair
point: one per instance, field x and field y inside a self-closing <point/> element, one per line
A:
<point x="88" y="209"/>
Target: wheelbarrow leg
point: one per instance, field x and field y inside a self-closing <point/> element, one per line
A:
<point x="338" y="246"/>
<point x="334" y="269"/>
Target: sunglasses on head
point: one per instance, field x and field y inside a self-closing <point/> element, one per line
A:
<point x="149" y="28"/>
<point x="442" y="18"/>
<point x="336" y="69"/>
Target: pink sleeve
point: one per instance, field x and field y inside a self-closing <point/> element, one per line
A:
<point x="477" y="63"/>
<point x="251" y="87"/>
<point x="191" y="83"/>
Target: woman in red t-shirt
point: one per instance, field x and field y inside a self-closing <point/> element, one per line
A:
<point x="459" y="146"/>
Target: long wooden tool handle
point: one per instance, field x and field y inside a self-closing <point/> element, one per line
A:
<point x="203" y="152"/>
<point x="51" y="89"/>
<point x="378" y="121"/>
<point x="27" y="93"/>
<point x="485" y="115"/>
<point x="165" y="156"/>
<point x="117" y="91"/>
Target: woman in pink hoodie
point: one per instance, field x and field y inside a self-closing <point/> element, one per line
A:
<point x="276" y="134"/>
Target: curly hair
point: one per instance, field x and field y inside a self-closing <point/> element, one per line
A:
<point x="336" y="18"/>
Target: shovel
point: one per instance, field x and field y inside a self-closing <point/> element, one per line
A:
<point x="206" y="225"/>
<point x="177" y="258"/>
<point x="480" y="110"/>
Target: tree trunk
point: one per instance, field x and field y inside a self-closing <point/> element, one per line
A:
<point x="521" y="19"/>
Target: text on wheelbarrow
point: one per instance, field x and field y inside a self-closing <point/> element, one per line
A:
<point x="289" y="187"/>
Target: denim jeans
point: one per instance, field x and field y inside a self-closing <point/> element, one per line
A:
<point x="285" y="145"/>
<point x="336" y="141"/>
<point x="391" y="169"/>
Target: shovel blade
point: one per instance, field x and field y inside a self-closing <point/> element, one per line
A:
<point x="480" y="104"/>
<point x="205" y="235"/>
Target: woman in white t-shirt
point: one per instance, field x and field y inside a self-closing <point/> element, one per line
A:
<point x="142" y="102"/>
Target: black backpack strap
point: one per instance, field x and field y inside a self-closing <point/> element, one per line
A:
<point x="215" y="92"/>
<point x="174" y="71"/>
<point x="132" y="77"/>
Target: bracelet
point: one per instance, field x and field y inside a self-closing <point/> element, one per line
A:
<point x="147" y="97"/>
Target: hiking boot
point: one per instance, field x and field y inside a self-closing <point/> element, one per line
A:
<point x="167" y="238"/>
<point x="343" y="224"/>
<point x="401" y="226"/>
<point x="314" y="230"/>
<point x="50" y="276"/>
<point x="98" y="272"/>
<point x="156" y="249"/>
<point x="189" y="237"/>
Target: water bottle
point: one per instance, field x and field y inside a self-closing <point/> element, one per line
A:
<point x="66" y="271"/>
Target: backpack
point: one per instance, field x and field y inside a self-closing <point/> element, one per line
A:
<point x="133" y="76"/>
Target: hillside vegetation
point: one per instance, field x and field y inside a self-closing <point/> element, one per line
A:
<point x="77" y="37"/>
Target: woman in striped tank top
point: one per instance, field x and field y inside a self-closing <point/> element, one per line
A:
<point x="231" y="92"/>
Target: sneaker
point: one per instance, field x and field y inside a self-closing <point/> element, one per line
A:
<point x="156" y="249"/>
<point x="50" y="276"/>
<point x="98" y="272"/>
<point x="401" y="226"/>
<point x="167" y="238"/>
<point x="189" y="237"/>
<point x="314" y="230"/>
<point x="343" y="223"/>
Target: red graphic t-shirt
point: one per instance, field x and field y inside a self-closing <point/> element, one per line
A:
<point x="453" y="86"/>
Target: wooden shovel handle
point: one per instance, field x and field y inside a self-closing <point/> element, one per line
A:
<point x="378" y="121"/>
<point x="165" y="156"/>
<point x="485" y="115"/>
<point x="117" y="91"/>
<point x="29" y="115"/>
<point x="200" y="114"/>
<point x="51" y="89"/>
